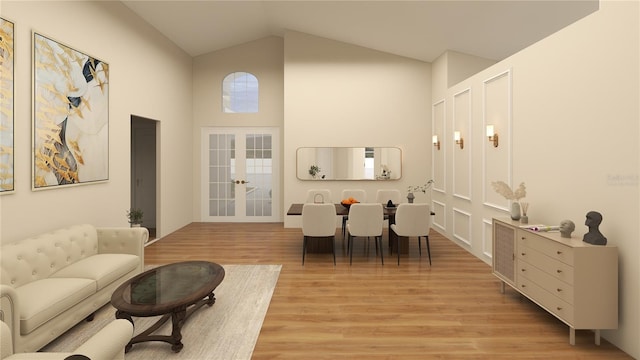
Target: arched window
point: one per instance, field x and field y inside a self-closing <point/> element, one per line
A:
<point x="240" y="93"/>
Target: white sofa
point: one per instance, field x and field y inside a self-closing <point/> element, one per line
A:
<point x="107" y="344"/>
<point x="50" y="282"/>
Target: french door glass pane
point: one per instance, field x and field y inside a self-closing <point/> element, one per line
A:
<point x="259" y="171"/>
<point x="221" y="173"/>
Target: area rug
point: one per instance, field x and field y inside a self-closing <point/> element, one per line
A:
<point x="227" y="330"/>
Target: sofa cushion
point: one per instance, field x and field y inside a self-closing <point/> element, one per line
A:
<point x="103" y="268"/>
<point x="40" y="256"/>
<point x="42" y="300"/>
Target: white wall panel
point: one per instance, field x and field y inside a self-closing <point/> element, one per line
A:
<point x="439" y="155"/>
<point x="462" y="156"/>
<point x="497" y="112"/>
<point x="439" y="219"/>
<point x="462" y="226"/>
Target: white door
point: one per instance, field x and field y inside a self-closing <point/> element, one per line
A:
<point x="240" y="174"/>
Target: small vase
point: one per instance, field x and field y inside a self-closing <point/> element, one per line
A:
<point x="410" y="197"/>
<point x="515" y="211"/>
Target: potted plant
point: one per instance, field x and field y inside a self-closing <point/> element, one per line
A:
<point x="423" y="188"/>
<point x="514" y="195"/>
<point x="314" y="170"/>
<point x="135" y="217"/>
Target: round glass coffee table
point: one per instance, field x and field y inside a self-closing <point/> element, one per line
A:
<point x="174" y="291"/>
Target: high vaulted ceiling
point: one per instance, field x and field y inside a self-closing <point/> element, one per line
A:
<point x="421" y="30"/>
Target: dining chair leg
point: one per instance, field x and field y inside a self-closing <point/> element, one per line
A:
<point x="398" y="249"/>
<point x="419" y="246"/>
<point x="428" y="250"/>
<point x="379" y="242"/>
<point x="304" y="248"/>
<point x="334" y="250"/>
<point x="376" y="240"/>
<point x="344" y="226"/>
<point x="350" y="249"/>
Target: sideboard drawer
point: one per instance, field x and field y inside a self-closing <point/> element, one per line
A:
<point x="546" y="281"/>
<point x="552" y="303"/>
<point x="553" y="267"/>
<point x="550" y="248"/>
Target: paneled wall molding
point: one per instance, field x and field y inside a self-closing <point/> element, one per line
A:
<point x="487" y="240"/>
<point x="497" y="111"/>
<point x="439" y="159"/>
<point x="462" y="226"/>
<point x="462" y="197"/>
<point x="439" y="219"/>
<point x="462" y="123"/>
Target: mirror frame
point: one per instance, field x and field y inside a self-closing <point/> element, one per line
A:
<point x="303" y="166"/>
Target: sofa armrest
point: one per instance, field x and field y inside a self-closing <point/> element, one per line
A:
<point x="123" y="240"/>
<point x="109" y="342"/>
<point x="10" y="311"/>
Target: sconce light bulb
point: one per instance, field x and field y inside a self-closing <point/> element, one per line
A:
<point x="490" y="130"/>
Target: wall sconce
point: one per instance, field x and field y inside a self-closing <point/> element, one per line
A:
<point x="493" y="137"/>
<point x="459" y="140"/>
<point x="436" y="142"/>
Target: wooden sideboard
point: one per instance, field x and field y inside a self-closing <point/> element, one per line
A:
<point x="575" y="281"/>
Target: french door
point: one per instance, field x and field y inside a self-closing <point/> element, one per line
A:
<point x="240" y="170"/>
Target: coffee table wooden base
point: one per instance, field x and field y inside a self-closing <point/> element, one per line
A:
<point x="178" y="317"/>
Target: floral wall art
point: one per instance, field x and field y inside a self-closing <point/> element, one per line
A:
<point x="70" y="116"/>
<point x="6" y="106"/>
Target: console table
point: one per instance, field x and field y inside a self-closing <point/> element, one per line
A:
<point x="575" y="281"/>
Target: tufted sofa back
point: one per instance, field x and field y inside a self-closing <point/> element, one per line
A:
<point x="40" y="256"/>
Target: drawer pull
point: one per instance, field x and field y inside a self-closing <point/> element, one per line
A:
<point x="558" y="290"/>
<point x="524" y="286"/>
<point x="559" y="271"/>
<point x="559" y="252"/>
<point x="558" y="308"/>
<point x="523" y="254"/>
<point x="523" y="270"/>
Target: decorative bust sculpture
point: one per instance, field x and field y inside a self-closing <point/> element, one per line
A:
<point x="594" y="236"/>
<point x="566" y="228"/>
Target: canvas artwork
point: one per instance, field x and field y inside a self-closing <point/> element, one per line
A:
<point x="71" y="116"/>
<point x="6" y="107"/>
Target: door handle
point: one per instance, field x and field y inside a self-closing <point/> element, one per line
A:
<point x="240" y="181"/>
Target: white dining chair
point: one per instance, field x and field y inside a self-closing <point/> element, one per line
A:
<point x="365" y="220"/>
<point x="358" y="194"/>
<point x="384" y="195"/>
<point x="319" y="220"/>
<point x="413" y="220"/>
<point x="319" y="196"/>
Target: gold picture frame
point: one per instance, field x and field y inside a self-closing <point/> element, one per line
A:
<point x="70" y="116"/>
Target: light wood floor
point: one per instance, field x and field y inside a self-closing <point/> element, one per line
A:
<point x="451" y="310"/>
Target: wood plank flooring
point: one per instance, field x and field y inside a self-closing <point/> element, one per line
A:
<point x="450" y="310"/>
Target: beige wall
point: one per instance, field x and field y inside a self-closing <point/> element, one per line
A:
<point x="338" y="94"/>
<point x="571" y="135"/>
<point x="149" y="77"/>
<point x="573" y="124"/>
<point x="264" y="59"/>
<point x="461" y="66"/>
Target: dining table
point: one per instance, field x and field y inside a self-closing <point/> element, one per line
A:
<point x="318" y="245"/>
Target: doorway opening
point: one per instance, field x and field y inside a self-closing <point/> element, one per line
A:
<point x="144" y="170"/>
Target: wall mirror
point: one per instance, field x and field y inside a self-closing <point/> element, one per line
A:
<point x="349" y="163"/>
